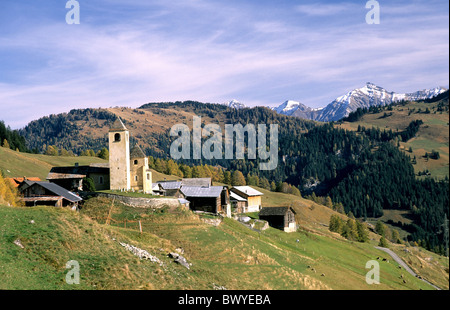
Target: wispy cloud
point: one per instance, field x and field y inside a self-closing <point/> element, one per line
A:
<point x="324" y="9"/>
<point x="130" y="53"/>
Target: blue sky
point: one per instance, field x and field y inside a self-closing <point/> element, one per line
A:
<point x="130" y="52"/>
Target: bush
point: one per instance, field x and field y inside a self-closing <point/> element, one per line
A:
<point x="88" y="185"/>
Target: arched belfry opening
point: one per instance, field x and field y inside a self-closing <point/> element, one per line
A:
<point x="117" y="137"/>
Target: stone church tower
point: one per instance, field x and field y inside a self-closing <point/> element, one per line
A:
<point x="128" y="171"/>
<point x="119" y="156"/>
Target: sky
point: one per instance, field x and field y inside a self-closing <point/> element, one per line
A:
<point x="259" y="52"/>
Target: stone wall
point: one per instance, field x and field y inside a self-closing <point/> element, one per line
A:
<point x="153" y="203"/>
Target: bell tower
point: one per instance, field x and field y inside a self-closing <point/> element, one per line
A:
<point x="119" y="156"/>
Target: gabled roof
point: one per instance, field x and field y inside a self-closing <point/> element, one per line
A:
<point x="202" y="191"/>
<point x="59" y="191"/>
<point x="118" y="125"/>
<point x="247" y="190"/>
<point x="170" y="184"/>
<point x="275" y="211"/>
<point x="196" y="182"/>
<point x="136" y="152"/>
<point x="234" y="196"/>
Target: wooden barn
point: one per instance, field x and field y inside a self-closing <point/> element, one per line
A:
<point x="206" y="198"/>
<point x="49" y="194"/>
<point x="279" y="217"/>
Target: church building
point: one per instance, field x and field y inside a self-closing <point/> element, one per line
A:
<point x="127" y="170"/>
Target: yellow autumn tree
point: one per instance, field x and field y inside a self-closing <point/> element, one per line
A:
<point x="8" y="194"/>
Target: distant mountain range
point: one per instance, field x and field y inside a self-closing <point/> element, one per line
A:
<point x="364" y="97"/>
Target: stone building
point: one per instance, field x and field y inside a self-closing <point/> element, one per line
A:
<point x="279" y="217"/>
<point x="127" y="170"/>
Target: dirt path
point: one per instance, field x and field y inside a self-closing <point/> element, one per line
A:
<point x="404" y="265"/>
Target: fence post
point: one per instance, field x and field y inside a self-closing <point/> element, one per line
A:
<point x="140" y="226"/>
<point x="108" y="220"/>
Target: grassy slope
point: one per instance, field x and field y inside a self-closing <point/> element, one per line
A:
<point x="230" y="255"/>
<point x="432" y="135"/>
<point x="16" y="164"/>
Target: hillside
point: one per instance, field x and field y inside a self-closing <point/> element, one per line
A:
<point x="230" y="255"/>
<point x="323" y="159"/>
<point x="17" y="164"/>
<point x="433" y="134"/>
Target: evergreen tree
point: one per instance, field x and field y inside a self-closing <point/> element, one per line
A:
<point x="103" y="153"/>
<point x="363" y="233"/>
<point x="383" y="242"/>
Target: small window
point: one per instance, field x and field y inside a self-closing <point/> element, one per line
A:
<point x="148" y="176"/>
<point x="135" y="177"/>
<point x="135" y="161"/>
<point x="117" y="137"/>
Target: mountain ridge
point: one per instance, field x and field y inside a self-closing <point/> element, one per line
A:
<point x="364" y="97"/>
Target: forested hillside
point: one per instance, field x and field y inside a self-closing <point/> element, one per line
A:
<point x="362" y="170"/>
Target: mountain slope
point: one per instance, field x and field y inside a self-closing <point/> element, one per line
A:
<point x="433" y="134"/>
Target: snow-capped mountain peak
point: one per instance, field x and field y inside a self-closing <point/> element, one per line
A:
<point x="288" y="107"/>
<point x="235" y="104"/>
<point x="364" y="97"/>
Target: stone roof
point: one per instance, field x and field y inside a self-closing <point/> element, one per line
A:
<point x="58" y="191"/>
<point x="275" y="211"/>
<point x="136" y="152"/>
<point x="118" y="125"/>
<point x="170" y="184"/>
<point x="202" y="191"/>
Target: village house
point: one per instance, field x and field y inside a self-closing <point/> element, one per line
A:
<point x="246" y="199"/>
<point x="46" y="193"/>
<point x="279" y="217"/>
<point x="71" y="178"/>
